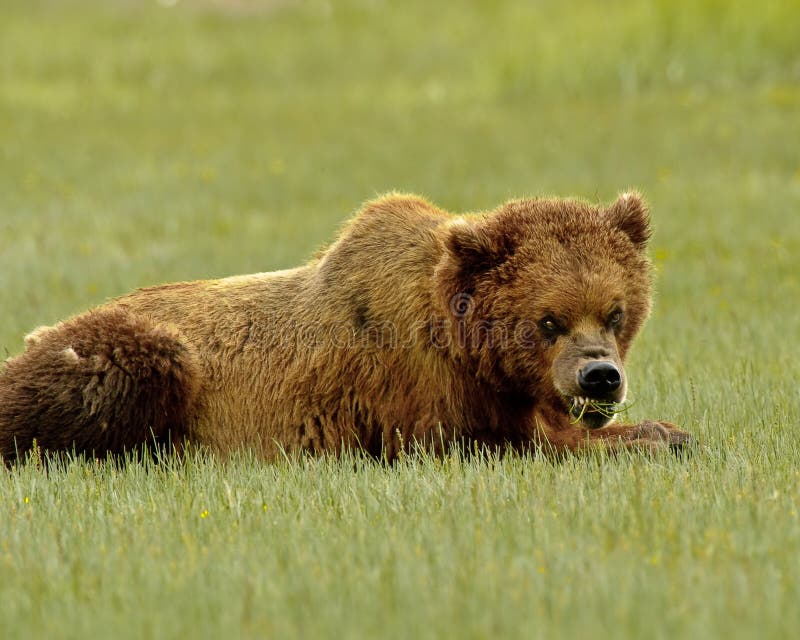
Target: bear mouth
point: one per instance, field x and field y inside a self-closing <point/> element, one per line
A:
<point x="592" y="413"/>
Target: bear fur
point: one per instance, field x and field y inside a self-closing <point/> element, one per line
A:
<point x="414" y="327"/>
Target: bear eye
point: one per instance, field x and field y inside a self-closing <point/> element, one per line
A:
<point x="549" y="325"/>
<point x="615" y="318"/>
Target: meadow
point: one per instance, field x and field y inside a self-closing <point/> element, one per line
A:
<point x="145" y="142"/>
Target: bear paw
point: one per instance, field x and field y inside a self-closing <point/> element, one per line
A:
<point x="663" y="432"/>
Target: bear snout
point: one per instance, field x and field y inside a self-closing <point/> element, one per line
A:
<point x="599" y="378"/>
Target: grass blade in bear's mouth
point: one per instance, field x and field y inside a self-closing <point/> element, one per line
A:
<point x="605" y="408"/>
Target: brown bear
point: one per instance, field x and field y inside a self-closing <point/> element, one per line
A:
<point x="414" y="327"/>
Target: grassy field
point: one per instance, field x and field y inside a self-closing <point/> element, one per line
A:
<point x="142" y="142"/>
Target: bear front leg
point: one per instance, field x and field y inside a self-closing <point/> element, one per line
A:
<point x="650" y="432"/>
<point x="650" y="435"/>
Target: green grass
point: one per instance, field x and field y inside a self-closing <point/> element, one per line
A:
<point x="141" y="144"/>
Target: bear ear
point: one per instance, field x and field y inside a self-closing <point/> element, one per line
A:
<point x="475" y="247"/>
<point x="630" y="214"/>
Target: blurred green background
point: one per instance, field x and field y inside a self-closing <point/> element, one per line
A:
<point x="144" y="142"/>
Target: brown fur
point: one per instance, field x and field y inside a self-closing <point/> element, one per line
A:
<point x="413" y="326"/>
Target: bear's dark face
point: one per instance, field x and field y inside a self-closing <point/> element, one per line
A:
<point x="547" y="297"/>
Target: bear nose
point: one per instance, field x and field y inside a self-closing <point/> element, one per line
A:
<point x="599" y="378"/>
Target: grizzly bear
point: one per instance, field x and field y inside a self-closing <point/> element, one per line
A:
<point x="506" y="329"/>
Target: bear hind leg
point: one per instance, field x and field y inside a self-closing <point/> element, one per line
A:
<point x="106" y="381"/>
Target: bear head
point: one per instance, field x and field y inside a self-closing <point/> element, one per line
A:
<point x="543" y="298"/>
